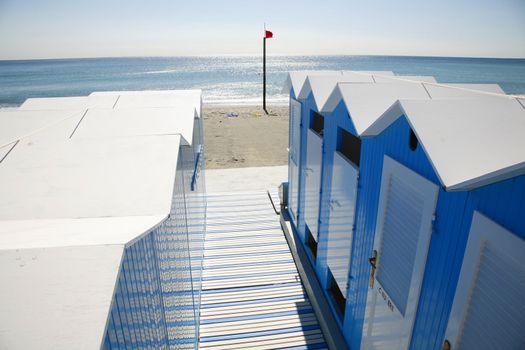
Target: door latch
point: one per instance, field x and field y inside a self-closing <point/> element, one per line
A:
<point x="372" y="260"/>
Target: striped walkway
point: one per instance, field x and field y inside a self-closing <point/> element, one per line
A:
<point x="252" y="296"/>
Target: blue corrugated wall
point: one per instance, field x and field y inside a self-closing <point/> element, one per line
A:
<point x="503" y="202"/>
<point x="157" y="297"/>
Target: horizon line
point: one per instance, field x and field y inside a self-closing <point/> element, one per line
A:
<point x="254" y="55"/>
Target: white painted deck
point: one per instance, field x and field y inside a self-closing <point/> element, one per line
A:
<point x="252" y="295"/>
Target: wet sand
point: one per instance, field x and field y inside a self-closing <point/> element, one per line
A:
<point x="243" y="136"/>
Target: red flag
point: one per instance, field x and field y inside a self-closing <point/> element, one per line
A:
<point x="268" y="34"/>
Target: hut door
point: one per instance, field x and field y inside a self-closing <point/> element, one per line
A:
<point x="341" y="220"/>
<point x="403" y="228"/>
<point x="314" y="153"/>
<point x="488" y="310"/>
<point x="295" y="135"/>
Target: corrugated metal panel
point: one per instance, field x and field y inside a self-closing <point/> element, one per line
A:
<point x="495" y="315"/>
<point x="503" y="201"/>
<point x="156" y="302"/>
<point x="487" y="312"/>
<point x="393" y="142"/>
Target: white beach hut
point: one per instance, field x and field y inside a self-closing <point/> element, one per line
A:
<point x="94" y="234"/>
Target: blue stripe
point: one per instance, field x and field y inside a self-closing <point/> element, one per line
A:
<point x="238" y="289"/>
<point x="223" y="266"/>
<point x="208" y="239"/>
<point x="308" y="346"/>
<point x="240" y="222"/>
<point x="257" y="317"/>
<point x="255" y="301"/>
<point x="265" y="210"/>
<point x="208" y="232"/>
<point x="251" y="244"/>
<point x="258" y="334"/>
<point x="247" y="275"/>
<point x="246" y="254"/>
<point x="244" y="222"/>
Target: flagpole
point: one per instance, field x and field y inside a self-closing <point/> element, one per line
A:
<point x="264" y="73"/>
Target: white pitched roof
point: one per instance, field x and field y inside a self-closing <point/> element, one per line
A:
<point x="57" y="298"/>
<point x="138" y="121"/>
<point x="295" y="80"/>
<point x="470" y="142"/>
<point x="43" y="233"/>
<point x="409" y="78"/>
<point x="438" y="91"/>
<point x="386" y="73"/>
<point x="103" y="177"/>
<point x="155" y="98"/>
<point x="73" y="102"/>
<point x="322" y="86"/>
<point x="119" y="99"/>
<point x="4" y="150"/>
<point x="366" y="102"/>
<point x="17" y="124"/>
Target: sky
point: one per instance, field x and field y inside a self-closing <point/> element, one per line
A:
<point x="32" y="29"/>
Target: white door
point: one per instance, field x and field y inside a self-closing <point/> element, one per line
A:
<point x="341" y="220"/>
<point x="314" y="154"/>
<point x="294" y="147"/>
<point x="488" y="310"/>
<point x="406" y="208"/>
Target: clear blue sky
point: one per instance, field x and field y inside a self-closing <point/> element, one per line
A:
<point x="96" y="28"/>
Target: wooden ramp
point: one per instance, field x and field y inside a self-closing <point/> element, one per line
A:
<point x="252" y="295"/>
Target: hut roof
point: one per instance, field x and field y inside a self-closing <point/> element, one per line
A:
<point x="81" y="178"/>
<point x="470" y="142"/>
<point x="367" y="102"/>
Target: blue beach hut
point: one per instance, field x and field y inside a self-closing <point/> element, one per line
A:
<point x="440" y="230"/>
<point x="308" y="90"/>
<point x="314" y="94"/>
<point x="350" y="111"/>
<point x="298" y="113"/>
<point x="293" y="85"/>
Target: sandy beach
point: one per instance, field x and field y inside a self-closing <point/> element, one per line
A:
<point x="243" y="136"/>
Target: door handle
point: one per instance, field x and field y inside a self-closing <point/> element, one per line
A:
<point x="336" y="202"/>
<point x="373" y="260"/>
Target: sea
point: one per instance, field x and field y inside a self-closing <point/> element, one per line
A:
<point x="230" y="79"/>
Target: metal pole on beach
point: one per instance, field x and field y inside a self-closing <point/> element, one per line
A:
<point x="264" y="74"/>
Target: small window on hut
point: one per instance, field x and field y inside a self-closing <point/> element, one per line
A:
<point x="311" y="242"/>
<point x="349" y="146"/>
<point x="337" y="295"/>
<point x="412" y="142"/>
<point x="317" y="123"/>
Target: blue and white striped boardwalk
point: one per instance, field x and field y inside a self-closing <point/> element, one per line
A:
<point x="252" y="296"/>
